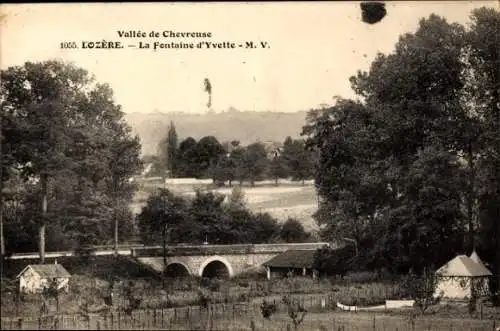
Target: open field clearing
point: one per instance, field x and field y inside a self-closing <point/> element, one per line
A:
<point x="288" y="199"/>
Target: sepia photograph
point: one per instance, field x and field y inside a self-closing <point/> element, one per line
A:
<point x="270" y="166"/>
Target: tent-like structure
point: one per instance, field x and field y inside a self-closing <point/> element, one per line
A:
<point x="474" y="257"/>
<point x="462" y="278"/>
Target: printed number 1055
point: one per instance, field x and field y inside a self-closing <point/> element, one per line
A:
<point x="69" y="44"/>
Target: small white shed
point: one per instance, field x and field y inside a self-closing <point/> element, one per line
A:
<point x="35" y="277"/>
<point x="461" y="278"/>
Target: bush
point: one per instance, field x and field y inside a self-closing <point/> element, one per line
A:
<point x="292" y="231"/>
<point x="330" y="261"/>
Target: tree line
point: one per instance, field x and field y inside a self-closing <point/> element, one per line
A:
<point x="169" y="218"/>
<point x="67" y="157"/>
<point x="230" y="161"/>
<point x="411" y="168"/>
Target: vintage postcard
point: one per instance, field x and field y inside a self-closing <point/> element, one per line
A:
<point x="250" y="165"/>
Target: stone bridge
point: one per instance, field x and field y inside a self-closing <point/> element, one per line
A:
<point x="215" y="260"/>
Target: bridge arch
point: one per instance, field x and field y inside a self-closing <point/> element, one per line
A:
<point x="215" y="264"/>
<point x="177" y="269"/>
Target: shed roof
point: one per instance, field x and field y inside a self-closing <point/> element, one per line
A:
<point x="300" y="258"/>
<point x="464" y="266"/>
<point x="47" y="270"/>
<point x="474" y="257"/>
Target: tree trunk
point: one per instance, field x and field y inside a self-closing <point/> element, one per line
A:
<point x="116" y="231"/>
<point x="164" y="234"/>
<point x="115" y="198"/>
<point x="471" y="199"/>
<point x="41" y="229"/>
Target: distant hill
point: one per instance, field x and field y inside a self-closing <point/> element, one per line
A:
<point x="245" y="126"/>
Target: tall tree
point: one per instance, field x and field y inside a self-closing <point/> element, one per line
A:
<point x="163" y="215"/>
<point x="299" y="160"/>
<point x="208" y="152"/>
<point x="482" y="41"/>
<point x="74" y="144"/>
<point x="277" y="167"/>
<point x="187" y="158"/>
<point x="382" y="159"/>
<point x="172" y="149"/>
<point x="237" y="164"/>
<point x="256" y="162"/>
<point x="42" y="94"/>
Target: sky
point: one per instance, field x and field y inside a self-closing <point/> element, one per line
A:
<point x="313" y="48"/>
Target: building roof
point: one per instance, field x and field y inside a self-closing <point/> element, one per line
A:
<point x="464" y="266"/>
<point x="474" y="257"/>
<point x="300" y="258"/>
<point x="47" y="270"/>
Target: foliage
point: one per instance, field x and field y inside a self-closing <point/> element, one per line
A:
<point x="204" y="216"/>
<point x="295" y="310"/>
<point x="186" y="161"/>
<point x="256" y="162"/>
<point x="52" y="291"/>
<point x="410" y="169"/>
<point x="163" y="211"/>
<point x="421" y="289"/>
<point x="237" y="200"/>
<point x="293" y="231"/>
<point x="267" y="309"/>
<point x="167" y="154"/>
<point x="70" y="152"/>
<point x="277" y="167"/>
<point x="299" y="160"/>
<point x="230" y="161"/>
<point x="334" y="261"/>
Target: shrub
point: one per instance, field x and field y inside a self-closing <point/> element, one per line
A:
<point x="421" y="288"/>
<point x="267" y="309"/>
<point x="293" y="231"/>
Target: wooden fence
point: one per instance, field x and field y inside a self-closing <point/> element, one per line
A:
<point x="241" y="316"/>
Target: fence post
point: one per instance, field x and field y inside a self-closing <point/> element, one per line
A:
<point x="374" y="325"/>
<point x="162" y="319"/>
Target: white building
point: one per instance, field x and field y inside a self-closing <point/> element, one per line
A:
<point x="462" y="277"/>
<point x="34" y="277"/>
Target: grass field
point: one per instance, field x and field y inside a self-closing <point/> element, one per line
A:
<point x="288" y="199"/>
